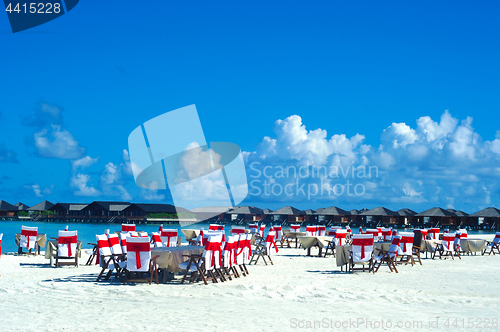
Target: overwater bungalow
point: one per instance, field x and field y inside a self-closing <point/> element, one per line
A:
<point x="436" y="217"/>
<point x="380" y="216"/>
<point x="288" y="214"/>
<point x="7" y="209"/>
<point x="486" y="218"/>
<point x="333" y="215"/>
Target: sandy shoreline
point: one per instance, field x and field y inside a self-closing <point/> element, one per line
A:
<point x="283" y="297"/>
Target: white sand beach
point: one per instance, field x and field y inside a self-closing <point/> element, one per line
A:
<point x="296" y="291"/>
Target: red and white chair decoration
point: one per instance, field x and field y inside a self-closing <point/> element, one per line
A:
<point x="390" y="256"/>
<point x="434" y="233"/>
<point x="254" y="228"/>
<point x="279" y="234"/>
<point x="312" y="230"/>
<point x="67" y="248"/>
<point x="446" y="230"/>
<point x="229" y="256"/>
<point x="262" y="230"/>
<point x="216" y="227"/>
<point x="379" y="232"/>
<point x="106" y="259"/>
<point x="238" y="230"/>
<point x="169" y="237"/>
<point x="123" y="242"/>
<point x="423" y="232"/>
<point x="207" y="266"/>
<point x="373" y="232"/>
<point x="264" y="248"/>
<point x="340" y="237"/>
<point x="128" y="228"/>
<point x="445" y="249"/>
<point x="360" y="230"/>
<point x="463" y="233"/>
<point x="156" y="240"/>
<point x="243" y="252"/>
<point x="115" y="245"/>
<point x="139" y="260"/>
<point x="28" y="238"/>
<point x="361" y="252"/>
<point x="493" y="246"/>
<point x="386" y="234"/>
<point x="406" y="247"/>
<point x="294" y="228"/>
<point x="321" y="230"/>
<point x="456" y="245"/>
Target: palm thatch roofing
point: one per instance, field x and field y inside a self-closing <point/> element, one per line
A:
<point x="436" y="212"/>
<point x="406" y="212"/>
<point x="490" y="212"/>
<point x="289" y="210"/>
<point x="379" y="211"/>
<point x="246" y="210"/>
<point x="21" y="206"/>
<point x="333" y="211"/>
<point x="458" y="213"/>
<point x="4" y="206"/>
<point x="43" y="206"/>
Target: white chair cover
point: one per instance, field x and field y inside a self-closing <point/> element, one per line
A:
<point x="67" y="243"/>
<point x="169" y="237"/>
<point x="362" y="247"/>
<point x="138" y="254"/>
<point x="28" y="237"/>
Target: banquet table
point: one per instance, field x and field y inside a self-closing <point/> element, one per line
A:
<point x="293" y="235"/>
<point x="41" y="241"/>
<point x="469" y="245"/>
<point x="308" y="242"/>
<point x="51" y="250"/>
<point x="171" y="257"/>
<point x="342" y="252"/>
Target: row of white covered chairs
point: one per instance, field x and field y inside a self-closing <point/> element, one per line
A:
<point x="220" y="259"/>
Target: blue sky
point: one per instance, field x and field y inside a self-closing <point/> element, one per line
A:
<point x="348" y="68"/>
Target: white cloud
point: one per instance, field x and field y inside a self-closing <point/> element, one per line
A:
<point x="441" y="162"/>
<point x="58" y="143"/>
<point x="82" y="163"/>
<point x="80" y="182"/>
<point x="39" y="192"/>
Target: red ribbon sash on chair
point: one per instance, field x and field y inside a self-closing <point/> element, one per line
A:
<point x="113" y="241"/>
<point x="214" y="246"/>
<point x="238" y="231"/>
<point x="248" y="244"/>
<point x="496" y="237"/>
<point x="28" y="234"/>
<point x="405" y="241"/>
<point x="270" y="238"/>
<point x="295" y="228"/>
<point x="362" y="243"/>
<point x="138" y="247"/>
<point x="156" y="238"/>
<point x="68" y="240"/>
<point x="168" y="235"/>
<point x="127" y="228"/>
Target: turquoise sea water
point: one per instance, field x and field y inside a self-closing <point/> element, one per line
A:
<point x="88" y="231"/>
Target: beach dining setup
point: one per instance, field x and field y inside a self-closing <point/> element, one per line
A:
<point x="222" y="252"/>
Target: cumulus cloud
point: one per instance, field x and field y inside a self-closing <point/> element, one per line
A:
<point x="41" y="192"/>
<point x="51" y="137"/>
<point x="81" y="183"/>
<point x="435" y="162"/>
<point x="57" y="143"/>
<point x="82" y="163"/>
